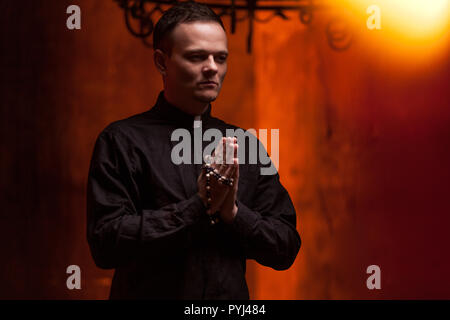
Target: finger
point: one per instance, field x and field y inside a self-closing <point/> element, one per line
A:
<point x="236" y="172"/>
<point x="235" y="159"/>
<point x="218" y="152"/>
<point x="216" y="156"/>
<point x="208" y="159"/>
<point x="236" y="167"/>
<point x="222" y="166"/>
<point x="229" y="172"/>
<point x="226" y="142"/>
<point x="229" y="151"/>
<point x="227" y="169"/>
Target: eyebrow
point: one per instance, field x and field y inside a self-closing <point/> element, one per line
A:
<point x="200" y="51"/>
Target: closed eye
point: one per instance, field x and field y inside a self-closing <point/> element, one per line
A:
<point x="197" y="57"/>
<point x="221" y="59"/>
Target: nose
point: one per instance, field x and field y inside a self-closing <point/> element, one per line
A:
<point x="210" y="65"/>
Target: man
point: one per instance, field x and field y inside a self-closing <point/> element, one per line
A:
<point x="183" y="231"/>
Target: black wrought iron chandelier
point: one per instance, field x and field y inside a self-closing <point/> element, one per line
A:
<point x="140" y="16"/>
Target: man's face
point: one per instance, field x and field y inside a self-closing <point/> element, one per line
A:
<point x="197" y="65"/>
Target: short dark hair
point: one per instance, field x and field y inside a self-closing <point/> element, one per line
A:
<point x="181" y="12"/>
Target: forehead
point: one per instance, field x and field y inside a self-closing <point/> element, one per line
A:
<point x="199" y="35"/>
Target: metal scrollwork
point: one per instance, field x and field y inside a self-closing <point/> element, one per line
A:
<point x="140" y="19"/>
<point x="339" y="38"/>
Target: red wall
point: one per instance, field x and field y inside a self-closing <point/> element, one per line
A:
<point x="364" y="137"/>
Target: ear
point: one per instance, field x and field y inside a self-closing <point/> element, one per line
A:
<point x="159" y="58"/>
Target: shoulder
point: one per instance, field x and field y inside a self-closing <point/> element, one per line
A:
<point x="134" y="128"/>
<point x="125" y="125"/>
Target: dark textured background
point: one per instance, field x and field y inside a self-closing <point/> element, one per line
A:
<point x="364" y="149"/>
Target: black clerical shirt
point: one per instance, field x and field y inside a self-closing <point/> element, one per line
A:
<point x="146" y="220"/>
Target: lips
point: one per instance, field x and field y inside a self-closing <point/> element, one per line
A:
<point x="208" y="83"/>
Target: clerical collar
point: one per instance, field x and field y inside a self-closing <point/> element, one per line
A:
<point x="172" y="114"/>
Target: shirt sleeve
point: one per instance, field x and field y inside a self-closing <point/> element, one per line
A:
<point x="118" y="231"/>
<point x="267" y="231"/>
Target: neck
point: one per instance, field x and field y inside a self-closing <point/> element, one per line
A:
<point x="194" y="108"/>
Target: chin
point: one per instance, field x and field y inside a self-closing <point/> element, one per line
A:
<point x="207" y="97"/>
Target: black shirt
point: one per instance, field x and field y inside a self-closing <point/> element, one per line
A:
<point x="146" y="220"/>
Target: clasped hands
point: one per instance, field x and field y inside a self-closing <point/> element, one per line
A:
<point x="223" y="197"/>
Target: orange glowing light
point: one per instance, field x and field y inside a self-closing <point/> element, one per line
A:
<point x="418" y="19"/>
<point x="415" y="19"/>
<point x="412" y="31"/>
